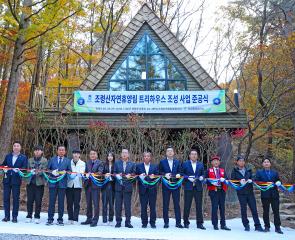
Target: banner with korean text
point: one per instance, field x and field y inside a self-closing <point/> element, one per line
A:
<point x="212" y="101"/>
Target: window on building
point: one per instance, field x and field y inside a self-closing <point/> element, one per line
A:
<point x="147" y="68"/>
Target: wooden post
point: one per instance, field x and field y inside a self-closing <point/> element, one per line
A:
<point x="58" y="96"/>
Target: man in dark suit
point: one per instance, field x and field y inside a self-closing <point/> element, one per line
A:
<point x="58" y="165"/>
<point x="246" y="195"/>
<point x="93" y="165"/>
<point x="193" y="188"/>
<point x="12" y="181"/>
<point x="171" y="169"/>
<point x="124" y="169"/>
<point x="270" y="197"/>
<point x="147" y="194"/>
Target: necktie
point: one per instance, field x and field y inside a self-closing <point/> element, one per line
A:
<point x="59" y="160"/>
<point x="124" y="166"/>
<point x="217" y="173"/>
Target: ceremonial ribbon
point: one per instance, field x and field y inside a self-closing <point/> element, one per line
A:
<point x="170" y="185"/>
<point x="151" y="183"/>
<point x="57" y="179"/>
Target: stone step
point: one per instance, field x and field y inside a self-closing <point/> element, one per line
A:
<point x="287" y="212"/>
<point x="287" y="217"/>
<point x="288" y="206"/>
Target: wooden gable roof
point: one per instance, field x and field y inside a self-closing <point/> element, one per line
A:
<point x="146" y="15"/>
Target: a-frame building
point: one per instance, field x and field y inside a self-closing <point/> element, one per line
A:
<point x="146" y="44"/>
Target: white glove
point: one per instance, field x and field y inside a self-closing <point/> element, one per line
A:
<point x="215" y="183"/>
<point x="55" y="172"/>
<point x="128" y="176"/>
<point x="278" y="183"/>
<point x="191" y="179"/>
<point x="201" y="178"/>
<point x="152" y="176"/>
<point x="119" y="177"/>
<point x="177" y="175"/>
<point x="168" y="175"/>
<point x="87" y="175"/>
<point x="142" y="176"/>
<point x="33" y="171"/>
<point x="222" y="179"/>
<point x="107" y="175"/>
<point x="15" y="170"/>
<point x="249" y="181"/>
<point x="243" y="181"/>
<point x="5" y="170"/>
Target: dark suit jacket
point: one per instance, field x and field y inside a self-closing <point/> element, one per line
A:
<point x="97" y="167"/>
<point x="107" y="170"/>
<point x="262" y="176"/>
<point x="152" y="170"/>
<point x="65" y="165"/>
<point x="118" y="169"/>
<point x="164" y="168"/>
<point x="12" y="177"/>
<point x="236" y="175"/>
<point x="187" y="170"/>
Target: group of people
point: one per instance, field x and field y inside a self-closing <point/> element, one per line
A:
<point x="118" y="189"/>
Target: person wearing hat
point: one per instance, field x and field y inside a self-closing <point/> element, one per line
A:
<point x="35" y="184"/>
<point x="217" y="191"/>
<point x="246" y="195"/>
<point x="74" y="188"/>
<point x="271" y="196"/>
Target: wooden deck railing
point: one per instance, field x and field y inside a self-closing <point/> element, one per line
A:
<point x="51" y="98"/>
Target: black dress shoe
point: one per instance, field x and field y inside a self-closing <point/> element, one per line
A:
<point x="186" y="225"/>
<point x="201" y="226"/>
<point x="215" y="227"/>
<point x="225" y="228"/>
<point x="118" y="225"/>
<point x="144" y="226"/>
<point x="166" y="225"/>
<point x="153" y="225"/>
<point x="49" y="222"/>
<point x="60" y="223"/>
<point x="266" y="229"/>
<point x="128" y="225"/>
<point x="259" y="229"/>
<point x="14" y="220"/>
<point x="88" y="221"/>
<point x="93" y="224"/>
<point x="179" y="225"/>
<point x="279" y="231"/>
<point x="6" y="219"/>
<point x="247" y="228"/>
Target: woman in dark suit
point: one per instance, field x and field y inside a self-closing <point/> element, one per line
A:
<point x="108" y="190"/>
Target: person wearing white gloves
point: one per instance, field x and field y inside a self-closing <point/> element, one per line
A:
<point x="270" y="197"/>
<point x="35" y="184"/>
<point x="171" y="169"/>
<point x="193" y="188"/>
<point x="246" y="195"/>
<point x="58" y="165"/>
<point x="12" y="180"/>
<point x="217" y="192"/>
<point x="147" y="194"/>
<point x="124" y="168"/>
<point x="74" y="189"/>
<point x="92" y="192"/>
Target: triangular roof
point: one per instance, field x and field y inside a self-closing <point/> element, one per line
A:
<point x="148" y="16"/>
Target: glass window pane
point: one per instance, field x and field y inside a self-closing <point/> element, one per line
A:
<point x="152" y="47"/>
<point x="121" y="73"/>
<point x="136" y="86"/>
<point x="156" y="67"/>
<point x="157" y="86"/>
<point x="136" y="66"/>
<point x="176" y="85"/>
<point x="140" y="47"/>
<point x="172" y="72"/>
<point x="117" y="86"/>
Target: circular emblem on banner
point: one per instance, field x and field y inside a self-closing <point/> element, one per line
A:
<point x="216" y="101"/>
<point x="81" y="101"/>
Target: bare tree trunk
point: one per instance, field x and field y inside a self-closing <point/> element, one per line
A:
<point x="293" y="167"/>
<point x="12" y="88"/>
